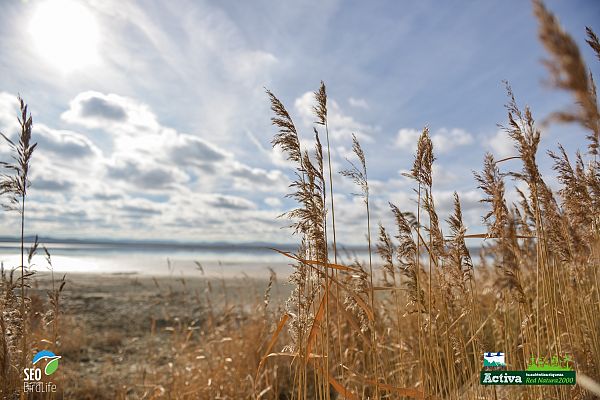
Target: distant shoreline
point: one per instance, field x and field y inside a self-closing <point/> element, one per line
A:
<point x="132" y="243"/>
<point x="144" y="244"/>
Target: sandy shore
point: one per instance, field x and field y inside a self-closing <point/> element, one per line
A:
<point x="112" y="324"/>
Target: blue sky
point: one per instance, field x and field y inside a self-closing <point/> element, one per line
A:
<point x="153" y="122"/>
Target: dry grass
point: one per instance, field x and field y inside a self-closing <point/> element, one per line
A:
<point x="413" y="325"/>
<point x="419" y="328"/>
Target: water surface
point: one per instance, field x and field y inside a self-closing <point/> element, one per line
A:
<point x="155" y="259"/>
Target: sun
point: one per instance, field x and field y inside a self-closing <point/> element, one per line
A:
<point x="65" y="34"/>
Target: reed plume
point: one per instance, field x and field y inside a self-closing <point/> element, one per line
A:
<point x="569" y="72"/>
<point x="14" y="184"/>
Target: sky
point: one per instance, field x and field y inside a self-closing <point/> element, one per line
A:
<point x="152" y="121"/>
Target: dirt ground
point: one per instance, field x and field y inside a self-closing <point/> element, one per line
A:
<point x="117" y="328"/>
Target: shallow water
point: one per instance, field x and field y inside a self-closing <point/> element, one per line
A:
<point x="150" y="259"/>
<point x="166" y="259"/>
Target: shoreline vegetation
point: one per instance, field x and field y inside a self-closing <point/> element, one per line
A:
<point x="411" y="321"/>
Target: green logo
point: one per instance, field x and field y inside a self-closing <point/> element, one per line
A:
<point x="555" y="363"/>
<point x="52" y="358"/>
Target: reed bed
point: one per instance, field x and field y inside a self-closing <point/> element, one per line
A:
<point x="419" y="327"/>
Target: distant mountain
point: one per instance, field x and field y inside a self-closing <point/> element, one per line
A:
<point x="142" y="243"/>
<point x="167" y="243"/>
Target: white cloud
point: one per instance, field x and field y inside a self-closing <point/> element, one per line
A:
<point x="341" y="125"/>
<point x="406" y="140"/>
<point x="9" y="106"/>
<point x="274" y="154"/>
<point x="231" y="202"/>
<point x="442" y="174"/>
<point x="64" y="144"/>
<point x="150" y="180"/>
<point x="97" y="110"/>
<point x="144" y="174"/>
<point x="147" y="154"/>
<point x="252" y="179"/>
<point x="358" y="103"/>
<point x="153" y="180"/>
<point x="191" y="61"/>
<point x="247" y="64"/>
<point x="501" y="145"/>
<point x="273" y="202"/>
<point x="444" y="140"/>
<point x="192" y="150"/>
<point x="63" y="162"/>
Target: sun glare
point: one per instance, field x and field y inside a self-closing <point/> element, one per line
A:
<point x="65" y="34"/>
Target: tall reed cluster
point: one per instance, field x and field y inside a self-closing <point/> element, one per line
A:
<point x="417" y="324"/>
<point x="18" y="339"/>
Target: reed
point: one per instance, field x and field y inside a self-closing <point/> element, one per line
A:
<point x="17" y="316"/>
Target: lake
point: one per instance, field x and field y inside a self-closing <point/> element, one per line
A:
<point x="156" y="259"/>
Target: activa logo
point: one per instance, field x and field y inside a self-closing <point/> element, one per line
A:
<point x="33" y="376"/>
<point x="502" y="378"/>
<point x="540" y="371"/>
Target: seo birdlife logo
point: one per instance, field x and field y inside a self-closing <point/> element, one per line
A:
<point x="33" y="376"/>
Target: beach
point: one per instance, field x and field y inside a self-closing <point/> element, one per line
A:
<point x="118" y="330"/>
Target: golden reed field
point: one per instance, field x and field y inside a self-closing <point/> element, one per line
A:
<point x="411" y="322"/>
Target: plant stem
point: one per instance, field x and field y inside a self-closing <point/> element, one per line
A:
<point x="23" y="316"/>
